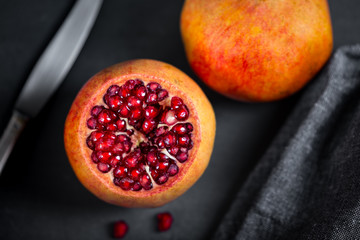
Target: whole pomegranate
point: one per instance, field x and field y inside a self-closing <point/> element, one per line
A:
<point x="255" y="50"/>
<point x="139" y="133"/>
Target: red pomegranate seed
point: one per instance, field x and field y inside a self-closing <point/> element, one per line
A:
<point x="176" y="102"/>
<point x="161" y="130"/>
<point x="183" y="140"/>
<point x="182" y="113"/>
<point x="154" y="174"/>
<point x="153" y="86"/>
<point x="162" y="179"/>
<point x="96" y="110"/>
<point x="92" y="123"/>
<point x="134" y="102"/>
<point x="182" y="156"/>
<point x="159" y="141"/>
<point x="162" y="94"/>
<point x="169" y="139"/>
<point x="120" y="229"/>
<point x="173" y="150"/>
<point x="124" y="111"/>
<point x="131" y="161"/>
<point x="115" y="160"/>
<point x="114" y="102"/>
<point x="130" y="132"/>
<point x="148" y="125"/>
<point x="120" y="172"/>
<point x="121" y="125"/>
<point x="104" y="144"/>
<point x="103" y="167"/>
<point x="151" y="112"/>
<point x="162" y="166"/>
<point x="151" y="158"/>
<point x="94" y="158"/>
<point x="136" y="113"/>
<point x="169" y="117"/>
<point x="165" y="221"/>
<point x="163" y="157"/>
<point x="103" y="157"/>
<point x="124" y="92"/>
<point x="135" y="174"/>
<point x="136" y="187"/>
<point x="140" y="92"/>
<point x="145" y="182"/>
<point x="113" y="90"/>
<point x="182" y="128"/>
<point x="111" y="127"/>
<point x="152" y="98"/>
<point x="125" y="183"/>
<point x="173" y="169"/>
<point x="106" y="116"/>
<point x="130" y="84"/>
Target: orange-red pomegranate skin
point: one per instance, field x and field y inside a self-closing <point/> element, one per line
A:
<point x="256" y="50"/>
<point x="177" y="83"/>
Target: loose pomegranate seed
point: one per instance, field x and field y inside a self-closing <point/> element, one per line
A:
<point x="150" y="119"/>
<point x="120" y="229"/>
<point x="165" y="221"/>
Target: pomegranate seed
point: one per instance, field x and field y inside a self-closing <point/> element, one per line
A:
<point x="162" y="166"/>
<point x="92" y="123"/>
<point x="163" y="157"/>
<point x="130" y="84"/>
<point x="96" y="110"/>
<point x="140" y="92"/>
<point x="154" y="174"/>
<point x="103" y="157"/>
<point x="104" y="144"/>
<point x="134" y="102"/>
<point x="161" y="130"/>
<point x="114" y="102"/>
<point x="173" y="169"/>
<point x="120" y="229"/>
<point x="176" y="102"/>
<point x="160" y="142"/>
<point x="125" y="183"/>
<point x="136" y="114"/>
<point x="162" y="179"/>
<point x="127" y="146"/>
<point x="182" y="156"/>
<point x="90" y="143"/>
<point x="121" y="125"/>
<point x="182" y="113"/>
<point x="115" y="160"/>
<point x="103" y="167"/>
<point x="111" y="127"/>
<point x="153" y="86"/>
<point x="123" y="138"/>
<point x="106" y="116"/>
<point x="173" y="150"/>
<point x="124" y="92"/>
<point x="145" y="182"/>
<point x="169" y="139"/>
<point x="151" y="112"/>
<point x="152" y="158"/>
<point x="118" y="148"/>
<point x="135" y="174"/>
<point x="113" y="90"/>
<point x="183" y="140"/>
<point x="162" y="94"/>
<point x="148" y="125"/>
<point x="94" y="158"/>
<point x="136" y="187"/>
<point x="182" y="128"/>
<point x="120" y="172"/>
<point x="124" y="111"/>
<point x="96" y="135"/>
<point x="130" y="132"/>
<point x="165" y="221"/>
<point x="131" y="161"/>
<point x="152" y="98"/>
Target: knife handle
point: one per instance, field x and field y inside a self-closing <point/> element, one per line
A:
<point x="13" y="129"/>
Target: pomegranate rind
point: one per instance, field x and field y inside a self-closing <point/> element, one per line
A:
<point x="178" y="84"/>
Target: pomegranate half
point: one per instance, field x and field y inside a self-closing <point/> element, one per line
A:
<point x="139" y="133"/>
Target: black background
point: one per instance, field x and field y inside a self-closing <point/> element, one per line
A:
<point x="40" y="197"/>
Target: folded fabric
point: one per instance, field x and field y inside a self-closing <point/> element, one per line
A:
<point x="307" y="185"/>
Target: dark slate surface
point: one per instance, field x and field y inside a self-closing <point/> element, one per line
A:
<point x="40" y="197"/>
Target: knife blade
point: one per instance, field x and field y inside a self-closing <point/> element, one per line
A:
<point x="49" y="71"/>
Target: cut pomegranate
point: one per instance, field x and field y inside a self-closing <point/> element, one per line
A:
<point x="112" y="150"/>
<point x="165" y="221"/>
<point x="120" y="229"/>
<point x="139" y="133"/>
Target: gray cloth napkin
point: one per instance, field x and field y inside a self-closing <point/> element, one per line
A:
<point x="307" y="185"/>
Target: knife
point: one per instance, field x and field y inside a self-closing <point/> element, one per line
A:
<point x="49" y="71"/>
